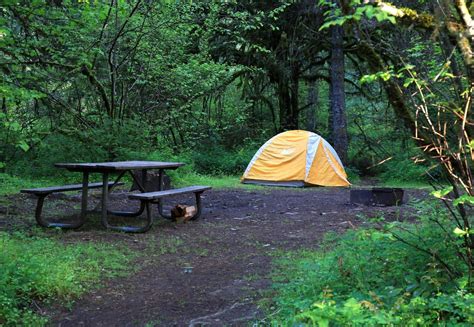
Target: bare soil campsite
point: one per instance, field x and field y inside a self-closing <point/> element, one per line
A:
<point x="213" y="271"/>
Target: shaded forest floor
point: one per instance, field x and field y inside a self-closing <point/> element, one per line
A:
<point x="213" y="271"/>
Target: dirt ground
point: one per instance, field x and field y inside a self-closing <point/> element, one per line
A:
<point x="212" y="271"/>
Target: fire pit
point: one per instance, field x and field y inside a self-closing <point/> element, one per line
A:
<point x="377" y="196"/>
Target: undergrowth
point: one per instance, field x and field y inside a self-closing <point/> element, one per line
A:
<point x="368" y="277"/>
<point x="13" y="184"/>
<point x="35" y="270"/>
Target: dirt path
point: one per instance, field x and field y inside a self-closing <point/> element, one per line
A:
<point x="214" y="270"/>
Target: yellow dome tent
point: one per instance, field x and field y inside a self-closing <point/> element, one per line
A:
<point x="296" y="158"/>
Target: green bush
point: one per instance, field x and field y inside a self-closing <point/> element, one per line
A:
<point x="403" y="169"/>
<point x="39" y="162"/>
<point x="369" y="277"/>
<point x="39" y="269"/>
<point x="219" y="161"/>
<point x="106" y="142"/>
<point x="353" y="174"/>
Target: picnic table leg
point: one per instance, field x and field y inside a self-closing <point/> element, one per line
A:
<point x="85" y="189"/>
<point x="105" y="197"/>
<point x="198" y="206"/>
<point x="144" y="176"/>
<point x="141" y="185"/>
<point x="160" y="203"/>
<point x="143" y="206"/>
<point x="39" y="209"/>
<point x="136" y="229"/>
<point x="149" y="219"/>
<point x="82" y="218"/>
<point x="44" y="223"/>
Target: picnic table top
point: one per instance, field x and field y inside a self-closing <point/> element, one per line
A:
<point x="118" y="165"/>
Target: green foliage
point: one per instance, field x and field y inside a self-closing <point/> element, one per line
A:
<point x="369" y="277"/>
<point x="353" y="174"/>
<point x="13" y="137"/>
<point x="442" y="193"/>
<point x="335" y="17"/>
<point x="384" y="76"/>
<point x="403" y="169"/>
<point x="464" y="199"/>
<point x="40" y="269"/>
<point x="380" y="146"/>
<point x="219" y="161"/>
<point x="110" y="141"/>
<point x="455" y="309"/>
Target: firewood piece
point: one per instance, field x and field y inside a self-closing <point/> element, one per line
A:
<point x="182" y="214"/>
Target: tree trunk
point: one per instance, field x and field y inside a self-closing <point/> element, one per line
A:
<point x="313" y="103"/>
<point x="288" y="103"/>
<point x="337" y="94"/>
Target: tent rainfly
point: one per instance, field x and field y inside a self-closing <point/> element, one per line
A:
<point x="296" y="158"/>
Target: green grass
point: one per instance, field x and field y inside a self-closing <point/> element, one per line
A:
<point x="404" y="184"/>
<point x="37" y="269"/>
<point x="214" y="181"/>
<point x="217" y="182"/>
<point x="165" y="245"/>
<point x="13" y="184"/>
<point x="413" y="184"/>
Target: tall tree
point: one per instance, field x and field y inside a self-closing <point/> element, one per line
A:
<point x="276" y="38"/>
<point x="337" y="94"/>
<point x="313" y="95"/>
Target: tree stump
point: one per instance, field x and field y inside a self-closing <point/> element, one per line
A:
<point x="152" y="181"/>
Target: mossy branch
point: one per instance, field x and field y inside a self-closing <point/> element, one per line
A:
<point x="100" y="88"/>
<point x="394" y="92"/>
<point x="406" y="16"/>
<point x="462" y="30"/>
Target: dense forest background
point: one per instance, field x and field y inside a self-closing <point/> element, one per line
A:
<point x="206" y="82"/>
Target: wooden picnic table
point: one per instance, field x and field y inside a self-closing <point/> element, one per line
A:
<point x="120" y="168"/>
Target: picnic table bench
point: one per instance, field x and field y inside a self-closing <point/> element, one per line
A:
<point x="120" y="168"/>
<point x="43" y="192"/>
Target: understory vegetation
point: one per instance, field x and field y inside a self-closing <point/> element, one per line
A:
<point x="376" y="276"/>
<point x="38" y="270"/>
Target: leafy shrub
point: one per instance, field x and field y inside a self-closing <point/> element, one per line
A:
<point x="403" y="169"/>
<point x="39" y="162"/>
<point x="42" y="269"/>
<point x="106" y="142"/>
<point x="219" y="161"/>
<point x="353" y="174"/>
<point x="369" y="277"/>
